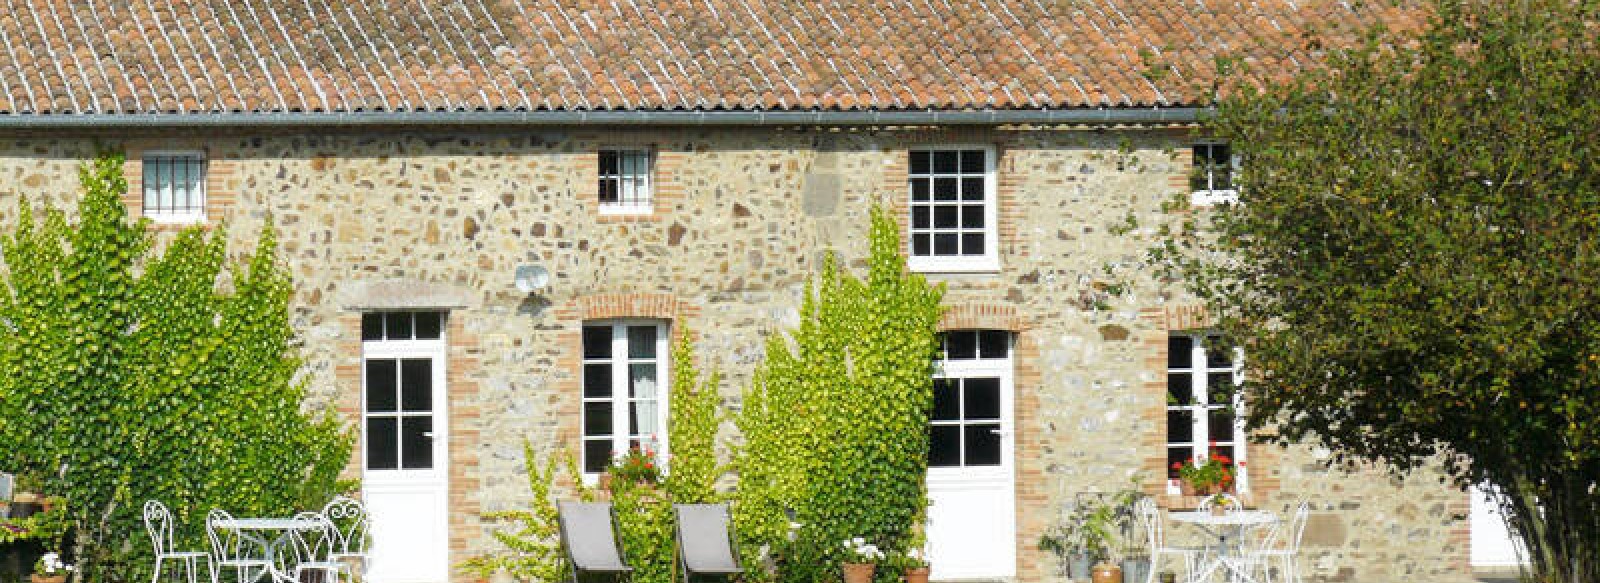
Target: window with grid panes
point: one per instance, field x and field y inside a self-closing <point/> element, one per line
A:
<point x="174" y="186"/>
<point x="952" y="209"/>
<point x="624" y="400"/>
<point x="1203" y="401"/>
<point x="964" y="427"/>
<point x="625" y="181"/>
<point x="1212" y="179"/>
<point x="398" y="390"/>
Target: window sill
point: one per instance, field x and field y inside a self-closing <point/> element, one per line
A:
<point x="626" y="211"/>
<point x="1213" y="197"/>
<point x="963" y="265"/>
<point x="176" y="220"/>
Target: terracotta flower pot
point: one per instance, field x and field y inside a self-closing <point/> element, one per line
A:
<point x="37" y="578"/>
<point x="858" y="572"/>
<point x="1106" y="572"/>
<point x="1186" y="488"/>
<point x="916" y="575"/>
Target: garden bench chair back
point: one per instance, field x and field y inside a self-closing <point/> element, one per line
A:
<point x="230" y="549"/>
<point x="705" y="540"/>
<point x="1148" y="517"/>
<point x="1283" y="544"/>
<point x="350" y="522"/>
<point x="158" y="523"/>
<point x="315" y="550"/>
<point x="590" y="540"/>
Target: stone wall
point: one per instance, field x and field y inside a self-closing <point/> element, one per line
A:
<point x="375" y="220"/>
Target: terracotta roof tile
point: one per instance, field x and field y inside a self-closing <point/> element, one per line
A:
<point x="192" y="56"/>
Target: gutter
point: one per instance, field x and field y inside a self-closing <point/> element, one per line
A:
<point x="1086" y="116"/>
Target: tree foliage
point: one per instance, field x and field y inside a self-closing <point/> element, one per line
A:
<point x="835" y="423"/>
<point x="129" y="375"/>
<point x="1414" y="262"/>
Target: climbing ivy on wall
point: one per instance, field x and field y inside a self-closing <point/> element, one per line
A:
<point x="692" y="428"/>
<point x="129" y="374"/>
<point x="835" y="422"/>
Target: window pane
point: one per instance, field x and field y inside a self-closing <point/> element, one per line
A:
<point x="1180" y="351"/>
<point x="944" y="445"/>
<point x="961" y="345"/>
<point x="429" y="325"/>
<point x="1180" y="456"/>
<point x="972" y="244"/>
<point x="383" y="440"/>
<point x="972" y="189"/>
<point x="381" y="386"/>
<point x="983" y="444"/>
<point x="983" y="398"/>
<point x="920" y="161"/>
<point x="1225" y="451"/>
<point x="944" y="161"/>
<point x="994" y="343"/>
<point x="397" y="325"/>
<point x="608" y="162"/>
<point x="920" y="217"/>
<point x="972" y="160"/>
<point x="152" y="190"/>
<point x="972" y="216"/>
<point x="944" y="189"/>
<point x="920" y="245"/>
<point x="1180" y="426"/>
<point x="597" y="380"/>
<point x="415" y="444"/>
<point x="945" y="244"/>
<point x="946" y="403"/>
<point x="416" y="384"/>
<point x="945" y="217"/>
<point x="596" y="342"/>
<point x="641" y="342"/>
<point x="1220" y="387"/>
<point x="919" y="189"/>
<point x="372" y="326"/>
<point x="609" y="190"/>
<point x="1220" y="426"/>
<point x="642" y="380"/>
<point x="596" y="419"/>
<point x="1180" y="388"/>
<point x="1219" y="354"/>
<point x="596" y="455"/>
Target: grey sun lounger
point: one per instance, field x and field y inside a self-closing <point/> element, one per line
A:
<point x="589" y="538"/>
<point x="705" y="541"/>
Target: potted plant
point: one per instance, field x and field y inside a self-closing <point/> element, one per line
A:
<point x="50" y="569"/>
<point x="635" y="468"/>
<point x="912" y="564"/>
<point x="1066" y="542"/>
<point x="1214" y="476"/>
<point x="860" y="560"/>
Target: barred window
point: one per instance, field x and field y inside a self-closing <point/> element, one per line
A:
<point x="1212" y="179"/>
<point x="174" y="186"/>
<point x="625" y="181"/>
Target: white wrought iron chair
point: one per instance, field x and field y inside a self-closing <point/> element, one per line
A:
<point x="1228" y="501"/>
<point x="1149" y="518"/>
<point x="158" y="524"/>
<point x="348" y="535"/>
<point x="314" y="547"/>
<point x="230" y="549"/>
<point x="1283" y="544"/>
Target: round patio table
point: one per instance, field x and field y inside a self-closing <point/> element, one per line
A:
<point x="1228" y="528"/>
<point x="257" y="529"/>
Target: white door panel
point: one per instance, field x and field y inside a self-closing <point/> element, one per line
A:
<point x="405" y="480"/>
<point x="971" y="482"/>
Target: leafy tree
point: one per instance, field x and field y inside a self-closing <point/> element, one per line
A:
<point x="835" y="423"/>
<point x="127" y="376"/>
<point x="1414" y="262"/>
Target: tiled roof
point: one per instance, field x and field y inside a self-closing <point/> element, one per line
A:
<point x="193" y="56"/>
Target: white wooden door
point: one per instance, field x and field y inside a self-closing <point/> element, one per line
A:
<point x="406" y="477"/>
<point x="971" y="482"/>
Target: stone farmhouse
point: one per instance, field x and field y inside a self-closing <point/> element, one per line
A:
<point x="677" y="164"/>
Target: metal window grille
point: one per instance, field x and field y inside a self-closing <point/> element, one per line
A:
<point x="949" y="198"/>
<point x="174" y="185"/>
<point x="625" y="179"/>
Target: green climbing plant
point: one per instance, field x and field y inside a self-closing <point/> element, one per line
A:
<point x="692" y="428"/>
<point x="129" y="375"/>
<point x="835" y="422"/>
<point x="532" y="544"/>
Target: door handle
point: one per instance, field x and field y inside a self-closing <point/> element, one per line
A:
<point x="428" y="434"/>
<point x="1002" y="432"/>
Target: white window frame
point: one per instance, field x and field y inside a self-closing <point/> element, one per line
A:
<point x="196" y="215"/>
<point x="644" y="182"/>
<point x="1001" y="368"/>
<point x="434" y="349"/>
<point x="989" y="262"/>
<point x="620" y="399"/>
<point x="1210" y="195"/>
<point x="1199" y="438"/>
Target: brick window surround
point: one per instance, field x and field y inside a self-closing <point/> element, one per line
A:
<point x="1004" y="150"/>
<point x="220" y="183"/>
<point x="666" y="189"/>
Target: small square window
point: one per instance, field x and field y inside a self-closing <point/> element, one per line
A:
<point x="1212" y="179"/>
<point x="625" y="182"/>
<point x="174" y="186"/>
<point x="952" y="210"/>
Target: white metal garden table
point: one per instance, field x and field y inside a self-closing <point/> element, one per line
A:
<point x="258" y="529"/>
<point x="1228" y="528"/>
